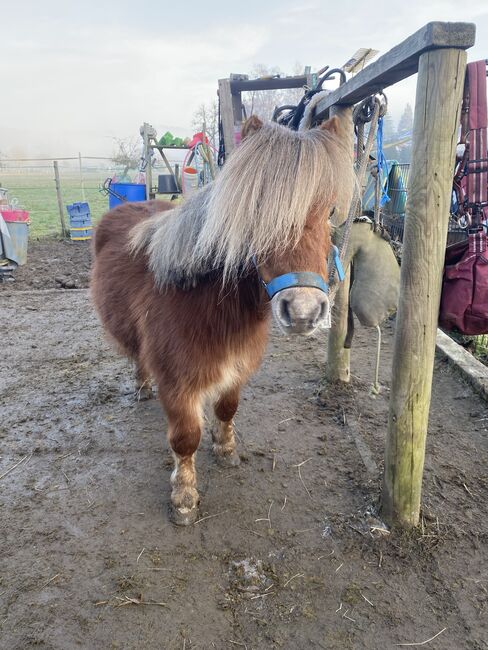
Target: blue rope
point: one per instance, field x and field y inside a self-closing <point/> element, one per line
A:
<point x="382" y="164"/>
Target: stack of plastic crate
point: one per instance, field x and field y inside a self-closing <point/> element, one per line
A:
<point x="79" y="221"/>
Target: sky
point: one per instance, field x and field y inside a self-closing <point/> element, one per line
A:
<point x="76" y="75"/>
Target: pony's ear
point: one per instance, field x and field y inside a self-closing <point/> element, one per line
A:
<point x="331" y="125"/>
<point x="250" y="126"/>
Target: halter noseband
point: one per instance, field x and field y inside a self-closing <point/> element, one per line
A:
<point x="301" y="279"/>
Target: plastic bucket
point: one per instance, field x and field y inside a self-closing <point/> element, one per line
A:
<point x="190" y="180"/>
<point x="17" y="222"/>
<point x="129" y="191"/>
<point x="167" y="184"/>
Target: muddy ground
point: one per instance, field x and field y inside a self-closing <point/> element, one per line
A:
<point x="53" y="263"/>
<point x="286" y="554"/>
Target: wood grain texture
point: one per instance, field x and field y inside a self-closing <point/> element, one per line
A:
<point x="338" y="357"/>
<point x="399" y="63"/>
<point x="245" y="85"/>
<point x="227" y="115"/>
<point x="437" y="111"/>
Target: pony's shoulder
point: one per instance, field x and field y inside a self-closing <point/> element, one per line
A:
<point x="118" y="222"/>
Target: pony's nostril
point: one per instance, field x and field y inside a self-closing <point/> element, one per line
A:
<point x="321" y="313"/>
<point x="285" y="311"/>
<point x="323" y="310"/>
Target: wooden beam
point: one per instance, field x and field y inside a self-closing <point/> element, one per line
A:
<point x="437" y="112"/>
<point x="274" y="83"/>
<point x="399" y="63"/>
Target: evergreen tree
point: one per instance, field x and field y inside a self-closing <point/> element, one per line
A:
<point x="405" y="124"/>
<point x="389" y="132"/>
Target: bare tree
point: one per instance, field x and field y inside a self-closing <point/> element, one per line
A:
<point x="208" y="115"/>
<point x="126" y="153"/>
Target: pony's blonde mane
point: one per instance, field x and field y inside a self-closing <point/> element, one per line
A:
<point x="258" y="205"/>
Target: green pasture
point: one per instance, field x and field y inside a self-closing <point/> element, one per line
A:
<point x="37" y="194"/>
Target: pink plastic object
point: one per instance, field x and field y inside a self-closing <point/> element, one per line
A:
<point x="11" y="216"/>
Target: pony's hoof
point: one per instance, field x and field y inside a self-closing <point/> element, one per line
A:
<point x="183" y="516"/>
<point x="227" y="460"/>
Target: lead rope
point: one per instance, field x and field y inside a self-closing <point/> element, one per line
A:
<point x="376" y="387"/>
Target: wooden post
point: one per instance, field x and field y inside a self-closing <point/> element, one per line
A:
<point x="338" y="357"/>
<point x="147" y="158"/>
<point x="82" y="182"/>
<point x="64" y="230"/>
<point x="227" y="115"/>
<point x="437" y="111"/>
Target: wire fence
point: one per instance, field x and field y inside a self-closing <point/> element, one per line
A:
<point x="31" y="185"/>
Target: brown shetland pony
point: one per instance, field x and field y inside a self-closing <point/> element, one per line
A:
<point x="182" y="290"/>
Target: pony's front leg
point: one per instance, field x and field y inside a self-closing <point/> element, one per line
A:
<point x="223" y="435"/>
<point x="143" y="385"/>
<point x="184" y="431"/>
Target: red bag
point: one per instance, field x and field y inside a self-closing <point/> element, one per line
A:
<point x="464" y="301"/>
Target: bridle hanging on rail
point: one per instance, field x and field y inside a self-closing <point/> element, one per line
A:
<point x="295" y="113"/>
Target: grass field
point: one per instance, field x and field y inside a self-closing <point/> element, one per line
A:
<point x="37" y="194"/>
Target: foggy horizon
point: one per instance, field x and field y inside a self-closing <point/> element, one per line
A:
<point x="77" y="77"/>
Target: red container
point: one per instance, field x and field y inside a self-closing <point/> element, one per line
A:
<point x="11" y="216"/>
<point x="14" y="248"/>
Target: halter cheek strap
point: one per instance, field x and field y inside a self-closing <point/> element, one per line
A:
<point x="301" y="279"/>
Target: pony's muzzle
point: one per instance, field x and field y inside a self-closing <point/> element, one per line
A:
<point x="301" y="310"/>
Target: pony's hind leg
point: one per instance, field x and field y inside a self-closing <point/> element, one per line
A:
<point x="184" y="432"/>
<point x="223" y="435"/>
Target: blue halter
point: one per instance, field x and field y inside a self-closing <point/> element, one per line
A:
<point x="302" y="279"/>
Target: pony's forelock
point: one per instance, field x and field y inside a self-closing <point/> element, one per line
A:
<point x="258" y="205"/>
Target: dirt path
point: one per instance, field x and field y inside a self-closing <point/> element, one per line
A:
<point x="285" y="556"/>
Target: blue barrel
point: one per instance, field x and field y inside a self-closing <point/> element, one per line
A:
<point x="129" y="191"/>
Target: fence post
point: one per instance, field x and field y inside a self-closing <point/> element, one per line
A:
<point x="437" y="111"/>
<point x="338" y="357"/>
<point x="82" y="182"/>
<point x="227" y="115"/>
<point x="64" y="231"/>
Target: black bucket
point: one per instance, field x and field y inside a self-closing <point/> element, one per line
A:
<point x="167" y="184"/>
